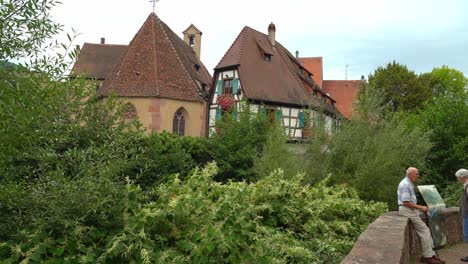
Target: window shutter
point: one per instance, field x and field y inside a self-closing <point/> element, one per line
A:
<point x="220" y="87"/>
<point x="218" y="114"/>
<point x="301" y="119"/>
<point x="279" y="116"/>
<point x="263" y="112"/>
<point x="234" y="113"/>
<point x="235" y="85"/>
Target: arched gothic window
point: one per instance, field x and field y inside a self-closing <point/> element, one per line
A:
<point x="178" y="123"/>
<point x="130" y="112"/>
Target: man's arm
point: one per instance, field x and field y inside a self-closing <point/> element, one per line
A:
<point x="415" y="206"/>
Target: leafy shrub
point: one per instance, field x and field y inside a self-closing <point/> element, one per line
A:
<point x="373" y="157"/>
<point x="451" y="194"/>
<point x="278" y="154"/>
<point x="166" y="154"/>
<point x="197" y="220"/>
<point x="58" y="218"/>
<point x="238" y="143"/>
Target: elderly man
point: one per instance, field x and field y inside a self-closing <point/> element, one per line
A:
<point x="462" y="176"/>
<point x="408" y="207"/>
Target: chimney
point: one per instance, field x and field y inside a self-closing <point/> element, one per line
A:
<point x="363" y="79"/>
<point x="103" y="41"/>
<point x="272" y="33"/>
<point x="297" y="54"/>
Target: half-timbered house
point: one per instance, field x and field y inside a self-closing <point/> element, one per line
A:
<point x="261" y="71"/>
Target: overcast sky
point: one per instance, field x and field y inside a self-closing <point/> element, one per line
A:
<point x="362" y="34"/>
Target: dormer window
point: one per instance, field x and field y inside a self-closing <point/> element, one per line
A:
<point x="300" y="70"/>
<point x="267" y="57"/>
<point x="197" y="67"/>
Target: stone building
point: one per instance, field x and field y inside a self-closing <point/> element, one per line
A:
<point x="160" y="76"/>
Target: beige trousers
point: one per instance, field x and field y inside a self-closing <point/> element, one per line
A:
<point x="421" y="229"/>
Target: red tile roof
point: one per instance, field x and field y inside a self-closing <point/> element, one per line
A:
<point x="315" y="66"/>
<point x="157" y="63"/>
<point x="97" y="60"/>
<point x="278" y="80"/>
<point x="344" y="92"/>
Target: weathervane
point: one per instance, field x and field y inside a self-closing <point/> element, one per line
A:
<point x="154" y="3"/>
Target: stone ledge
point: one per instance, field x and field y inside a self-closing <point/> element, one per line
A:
<point x="391" y="239"/>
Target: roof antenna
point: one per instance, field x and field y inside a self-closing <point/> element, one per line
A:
<point x="154" y="3"/>
<point x="346" y="72"/>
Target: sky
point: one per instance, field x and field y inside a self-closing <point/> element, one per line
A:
<point x="353" y="37"/>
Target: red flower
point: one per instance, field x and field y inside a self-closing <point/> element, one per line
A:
<point x="226" y="101"/>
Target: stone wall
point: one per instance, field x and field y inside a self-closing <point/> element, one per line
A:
<point x="392" y="239"/>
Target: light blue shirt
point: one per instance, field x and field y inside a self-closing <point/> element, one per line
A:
<point x="406" y="192"/>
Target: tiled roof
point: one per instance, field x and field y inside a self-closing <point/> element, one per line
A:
<point x="278" y="80"/>
<point x="157" y="63"/>
<point x="344" y="92"/>
<point x="315" y="66"/>
<point x="97" y="60"/>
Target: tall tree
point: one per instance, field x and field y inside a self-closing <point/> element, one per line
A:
<point x="445" y="82"/>
<point x="446" y="120"/>
<point x="399" y="87"/>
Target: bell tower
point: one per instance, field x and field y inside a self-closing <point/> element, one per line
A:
<point x="192" y="36"/>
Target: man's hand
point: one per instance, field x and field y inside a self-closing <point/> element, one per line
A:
<point x="424" y="209"/>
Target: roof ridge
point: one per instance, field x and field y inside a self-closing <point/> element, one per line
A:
<point x="244" y="37"/>
<point x="256" y="30"/>
<point x="294" y="73"/>
<point x="342" y="80"/>
<point x="178" y="56"/>
<point x="319" y="57"/>
<point x="155" y="57"/>
<point x="115" y="71"/>
<point x="230" y="47"/>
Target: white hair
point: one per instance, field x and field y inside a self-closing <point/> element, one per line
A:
<point x="461" y="173"/>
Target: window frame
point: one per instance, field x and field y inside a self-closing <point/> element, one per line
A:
<point x="179" y="123"/>
<point x="227" y="90"/>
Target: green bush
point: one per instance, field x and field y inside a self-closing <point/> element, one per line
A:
<point x="196" y="220"/>
<point x="373" y="157"/>
<point x="452" y="193"/>
<point x="238" y="143"/>
<point x="166" y="154"/>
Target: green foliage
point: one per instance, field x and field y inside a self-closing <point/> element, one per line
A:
<point x="445" y="120"/>
<point x="278" y="154"/>
<point x="26" y="26"/>
<point x="45" y="125"/>
<point x="166" y="154"/>
<point x="239" y="142"/>
<point x="317" y="154"/>
<point x="198" y="220"/>
<point x="452" y="194"/>
<point x="373" y="158"/>
<point x="446" y="82"/>
<point x="59" y="219"/>
<point x="400" y="87"/>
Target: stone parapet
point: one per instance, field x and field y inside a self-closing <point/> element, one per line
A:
<point x="391" y="238"/>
